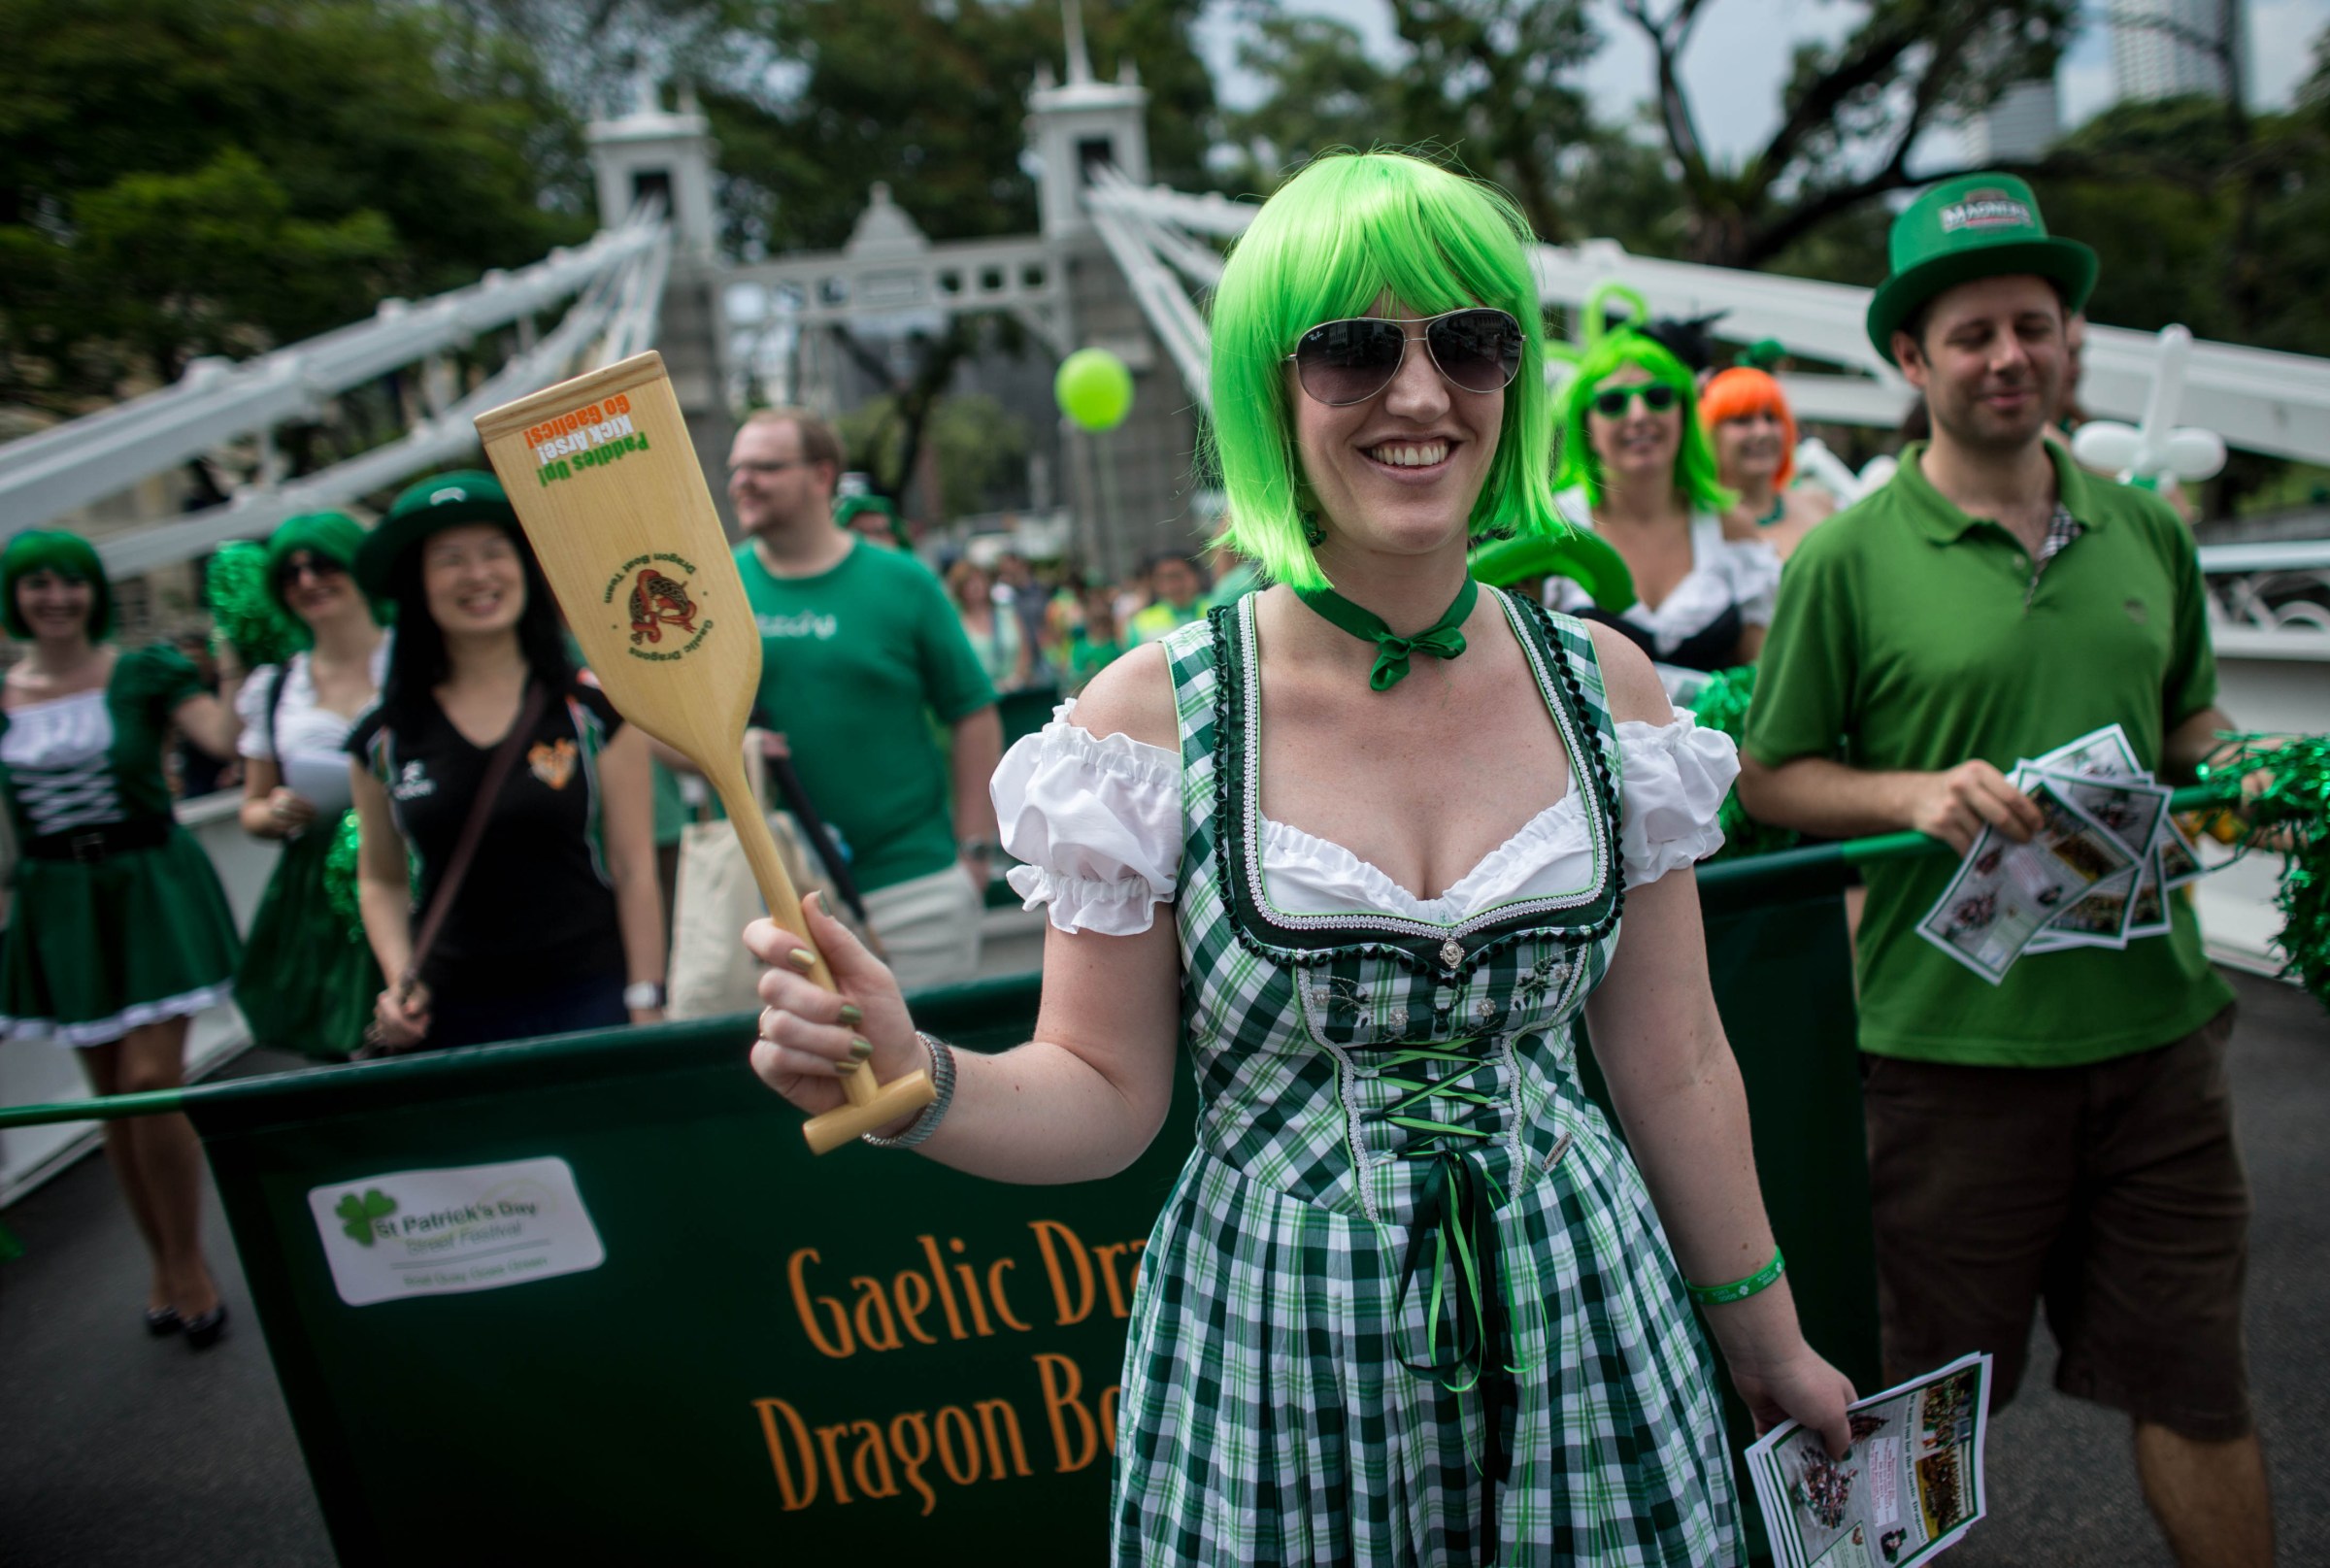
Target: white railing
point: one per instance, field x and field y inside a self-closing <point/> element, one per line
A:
<point x="616" y="282"/>
<point x="615" y="310"/>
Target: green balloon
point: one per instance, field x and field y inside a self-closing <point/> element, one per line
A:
<point x="1094" y="388"/>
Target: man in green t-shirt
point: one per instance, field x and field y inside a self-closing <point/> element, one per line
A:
<point x="860" y="651"/>
<point x="2066" y="1133"/>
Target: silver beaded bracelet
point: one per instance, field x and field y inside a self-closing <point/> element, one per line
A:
<point x="926" y="1121"/>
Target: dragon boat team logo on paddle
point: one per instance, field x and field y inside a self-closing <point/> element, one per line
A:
<point x="666" y="619"/>
<point x="591" y="436"/>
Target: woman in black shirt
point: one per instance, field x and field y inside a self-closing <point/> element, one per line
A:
<point x="558" y="925"/>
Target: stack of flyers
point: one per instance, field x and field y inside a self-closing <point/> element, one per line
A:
<point x="2006" y="892"/>
<point x="1905" y="1492"/>
<point x="2100" y="774"/>
<point x="2096" y="875"/>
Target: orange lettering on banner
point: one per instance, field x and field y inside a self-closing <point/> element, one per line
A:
<point x="1045" y="1230"/>
<point x="989" y="1412"/>
<point x="802" y="1304"/>
<point x="938" y="1279"/>
<point x="979" y="1307"/>
<point x="910" y="1313"/>
<point x="1107" y="1255"/>
<point x="911" y="1460"/>
<point x="874" y="1314"/>
<point x="1003" y="1307"/>
<point x="829" y="1440"/>
<point x="795" y="1496"/>
<point x="1107" y="1415"/>
<point x="880" y="1483"/>
<point x="965" y="1472"/>
<point x="1062" y="1383"/>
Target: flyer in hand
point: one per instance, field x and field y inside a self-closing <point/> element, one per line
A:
<point x="2100" y="775"/>
<point x="2008" y="902"/>
<point x="1905" y="1492"/>
<point x="2006" y="892"/>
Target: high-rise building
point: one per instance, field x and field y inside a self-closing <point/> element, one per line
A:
<point x="2161" y="48"/>
<point x="2022" y="124"/>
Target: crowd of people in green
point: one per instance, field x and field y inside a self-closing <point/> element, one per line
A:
<point x="1356" y="843"/>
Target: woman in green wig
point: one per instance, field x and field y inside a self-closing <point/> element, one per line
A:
<point x="309" y="979"/>
<point x="1412" y="1299"/>
<point x="1638" y="469"/>
<point x="118" y="931"/>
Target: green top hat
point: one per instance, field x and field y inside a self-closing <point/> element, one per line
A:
<point x="429" y="506"/>
<point x="1978" y="226"/>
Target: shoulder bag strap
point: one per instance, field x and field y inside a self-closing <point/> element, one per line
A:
<point x="473" y="829"/>
<point x="275" y="707"/>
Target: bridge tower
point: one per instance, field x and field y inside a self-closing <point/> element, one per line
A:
<point x="1131" y="487"/>
<point x="651" y="152"/>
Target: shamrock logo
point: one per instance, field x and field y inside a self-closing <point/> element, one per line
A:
<point x="358" y="1213"/>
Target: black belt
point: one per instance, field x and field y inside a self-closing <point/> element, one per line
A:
<point x="99" y="842"/>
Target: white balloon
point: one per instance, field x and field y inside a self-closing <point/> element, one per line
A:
<point x="2195" y="455"/>
<point x="2106" y="446"/>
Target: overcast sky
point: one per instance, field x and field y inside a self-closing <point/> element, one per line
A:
<point x="1740" y="56"/>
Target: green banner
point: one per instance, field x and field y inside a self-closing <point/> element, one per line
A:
<point x="592" y="1299"/>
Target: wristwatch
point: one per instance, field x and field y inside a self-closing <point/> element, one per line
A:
<point x="643" y="994"/>
<point x="984" y="848"/>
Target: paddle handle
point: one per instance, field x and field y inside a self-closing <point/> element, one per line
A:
<point x="768" y="866"/>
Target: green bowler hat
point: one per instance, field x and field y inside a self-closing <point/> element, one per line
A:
<point x="427" y="507"/>
<point x="1978" y="226"/>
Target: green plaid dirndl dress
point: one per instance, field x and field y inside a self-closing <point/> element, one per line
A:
<point x="1408" y="1302"/>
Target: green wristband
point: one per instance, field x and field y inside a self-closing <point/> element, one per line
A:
<point x="1717" y="1295"/>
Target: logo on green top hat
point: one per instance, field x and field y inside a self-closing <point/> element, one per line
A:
<point x="1978" y="226"/>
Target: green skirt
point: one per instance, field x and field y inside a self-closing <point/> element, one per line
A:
<point x="308" y="981"/>
<point x="96" y="951"/>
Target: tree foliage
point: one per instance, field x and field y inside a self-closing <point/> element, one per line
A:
<point x="931" y="96"/>
<point x="192" y="177"/>
<point x="1853" y="115"/>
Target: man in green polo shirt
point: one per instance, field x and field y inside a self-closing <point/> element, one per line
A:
<point x="860" y="652"/>
<point x="2063" y="1135"/>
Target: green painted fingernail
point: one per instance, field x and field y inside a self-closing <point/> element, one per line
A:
<point x="860" y="1050"/>
<point x="803" y="959"/>
<point x="852" y="1015"/>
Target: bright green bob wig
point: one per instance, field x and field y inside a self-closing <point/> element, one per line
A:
<point x="68" y="555"/>
<point x="1348" y="230"/>
<point x="1695" y="472"/>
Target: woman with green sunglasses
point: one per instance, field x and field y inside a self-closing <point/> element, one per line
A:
<point x="1638" y="469"/>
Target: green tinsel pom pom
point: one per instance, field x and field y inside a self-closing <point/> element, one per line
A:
<point x="1722" y="705"/>
<point x="2291" y="813"/>
<point x="242" y="608"/>
<point x="340" y="878"/>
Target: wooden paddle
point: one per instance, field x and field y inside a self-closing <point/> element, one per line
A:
<point x="604" y="480"/>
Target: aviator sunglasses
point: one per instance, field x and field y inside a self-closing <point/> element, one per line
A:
<point x="321" y="568"/>
<point x="1340" y="363"/>
<point x="1656" y="396"/>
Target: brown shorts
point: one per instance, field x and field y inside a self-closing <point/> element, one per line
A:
<point x="2113" y="1192"/>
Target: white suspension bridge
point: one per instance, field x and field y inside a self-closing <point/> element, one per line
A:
<point x="1116" y="262"/>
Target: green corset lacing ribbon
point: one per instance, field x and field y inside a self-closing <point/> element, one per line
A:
<point x="1456" y="1224"/>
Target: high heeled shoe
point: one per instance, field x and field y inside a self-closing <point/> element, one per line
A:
<point x="161" y="1320"/>
<point x="204" y="1328"/>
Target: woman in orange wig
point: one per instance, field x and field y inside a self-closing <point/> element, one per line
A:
<point x="1754" y="434"/>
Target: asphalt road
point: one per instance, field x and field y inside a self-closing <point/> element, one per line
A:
<point x="117" y="1450"/>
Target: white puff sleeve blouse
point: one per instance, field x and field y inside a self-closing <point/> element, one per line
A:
<point x="1097" y="821"/>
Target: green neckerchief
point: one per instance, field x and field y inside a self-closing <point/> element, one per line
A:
<point x="1780" y="509"/>
<point x="1442" y="639"/>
